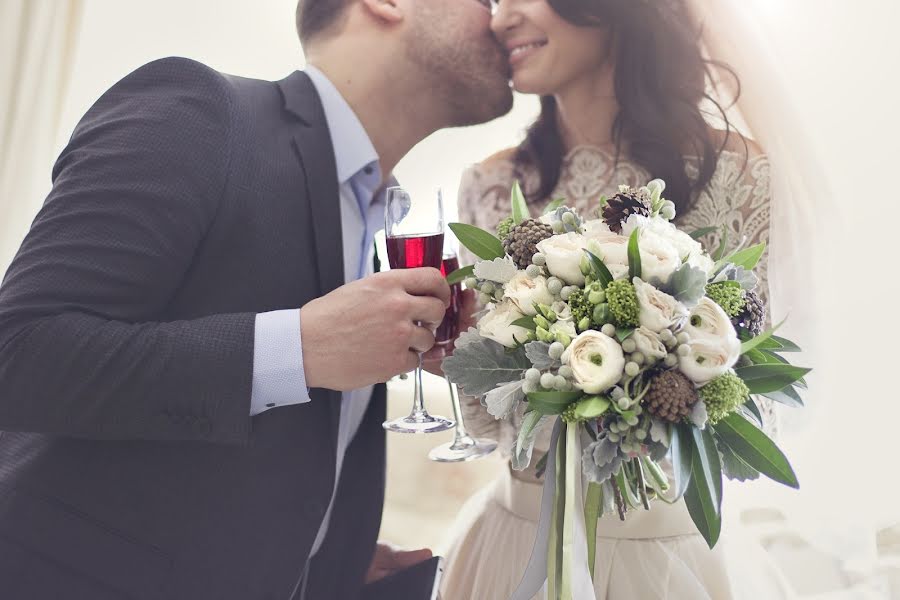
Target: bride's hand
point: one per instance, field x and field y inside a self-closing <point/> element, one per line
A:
<point x="388" y="560"/>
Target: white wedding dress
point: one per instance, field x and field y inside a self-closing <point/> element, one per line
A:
<point x="653" y="555"/>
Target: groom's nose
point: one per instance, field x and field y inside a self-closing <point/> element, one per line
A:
<point x="505" y="18"/>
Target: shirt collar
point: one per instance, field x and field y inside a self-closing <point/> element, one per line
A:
<point x="353" y="150"/>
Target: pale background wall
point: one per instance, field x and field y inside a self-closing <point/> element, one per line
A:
<point x="840" y="57"/>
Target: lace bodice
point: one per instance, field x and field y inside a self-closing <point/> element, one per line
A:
<point x="737" y="198"/>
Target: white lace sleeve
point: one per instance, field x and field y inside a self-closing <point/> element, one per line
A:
<point x="737" y="202"/>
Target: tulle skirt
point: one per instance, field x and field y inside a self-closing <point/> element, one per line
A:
<point x="655" y="555"/>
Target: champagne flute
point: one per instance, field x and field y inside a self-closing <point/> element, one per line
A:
<point x="414" y="233"/>
<point x="463" y="447"/>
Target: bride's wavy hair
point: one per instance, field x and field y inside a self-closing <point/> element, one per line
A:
<point x="661" y="83"/>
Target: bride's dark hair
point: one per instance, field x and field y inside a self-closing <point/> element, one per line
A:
<point x="661" y="80"/>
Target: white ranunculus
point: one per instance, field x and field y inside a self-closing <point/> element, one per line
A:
<point x="703" y="262"/>
<point x="659" y="258"/>
<point x="596" y="229"/>
<point x="596" y="360"/>
<point x="706" y="360"/>
<point x="497" y="324"/>
<point x="648" y="343"/>
<point x="658" y="310"/>
<point x="564" y="253"/>
<point x="708" y="320"/>
<point x="688" y="249"/>
<point x="523" y="292"/>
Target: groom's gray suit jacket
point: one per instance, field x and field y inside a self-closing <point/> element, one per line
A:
<point x="186" y="202"/>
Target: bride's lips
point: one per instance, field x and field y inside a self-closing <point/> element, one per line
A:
<point x="519" y="51"/>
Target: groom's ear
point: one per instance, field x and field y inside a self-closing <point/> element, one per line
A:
<point x="390" y="12"/>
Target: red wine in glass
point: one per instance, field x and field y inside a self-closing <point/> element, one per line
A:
<point x="414" y="251"/>
<point x="449" y="327"/>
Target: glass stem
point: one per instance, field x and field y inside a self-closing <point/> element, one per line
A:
<point x="460" y="431"/>
<point x="419" y="406"/>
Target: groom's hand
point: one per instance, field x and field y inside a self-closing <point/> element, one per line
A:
<point x="468" y="308"/>
<point x="366" y="332"/>
<point x="388" y="560"/>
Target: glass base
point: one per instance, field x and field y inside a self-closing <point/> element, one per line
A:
<point x="463" y="450"/>
<point x="419" y="423"/>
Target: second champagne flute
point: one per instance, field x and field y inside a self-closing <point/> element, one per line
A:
<point x="414" y="234"/>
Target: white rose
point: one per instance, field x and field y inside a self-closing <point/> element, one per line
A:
<point x="659" y="258"/>
<point x="596" y="361"/>
<point x="563" y="254"/>
<point x="523" y="292"/>
<point x="658" y="310"/>
<point x="688" y="249"/>
<point x="612" y="250"/>
<point x="596" y="229"/>
<point x="703" y="262"/>
<point x="648" y="343"/>
<point x="497" y="325"/>
<point x="706" y="361"/>
<point x="708" y="320"/>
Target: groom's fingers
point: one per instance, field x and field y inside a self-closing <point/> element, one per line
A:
<point x="404" y="560"/>
<point x="425" y="282"/>
<point x="427" y="310"/>
<point x="421" y="340"/>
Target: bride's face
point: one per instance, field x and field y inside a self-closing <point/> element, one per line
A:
<point x="546" y="52"/>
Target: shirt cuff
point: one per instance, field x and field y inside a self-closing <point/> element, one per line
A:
<point x="278" y="375"/>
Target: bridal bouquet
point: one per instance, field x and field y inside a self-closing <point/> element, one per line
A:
<point x="641" y="346"/>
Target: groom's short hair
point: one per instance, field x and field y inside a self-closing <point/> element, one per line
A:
<point x="316" y="16"/>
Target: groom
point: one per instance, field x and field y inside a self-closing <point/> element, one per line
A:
<point x="190" y="331"/>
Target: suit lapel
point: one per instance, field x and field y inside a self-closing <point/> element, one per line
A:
<point x="313" y="147"/>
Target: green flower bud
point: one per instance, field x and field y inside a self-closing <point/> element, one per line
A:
<point x="623" y="403"/>
<point x="623" y="303"/>
<point x="632" y="369"/>
<point x="584" y="324"/>
<point x="541" y="322"/>
<point x="569" y="218"/>
<point x="608" y="330"/>
<point x="563" y="339"/>
<point x="539" y="259"/>
<point x="585" y="266"/>
<point x="544" y="309"/>
<point x="532" y="375"/>
<point x="552" y="316"/>
<point x="629" y="346"/>
<point x="544" y="335"/>
<point x="595" y="298"/>
<point x="667" y="212"/>
<point x="548" y="380"/>
<point x="558" y="227"/>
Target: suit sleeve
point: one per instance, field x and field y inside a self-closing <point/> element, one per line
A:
<point x="133" y="196"/>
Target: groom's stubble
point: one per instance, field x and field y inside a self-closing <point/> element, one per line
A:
<point x="461" y="63"/>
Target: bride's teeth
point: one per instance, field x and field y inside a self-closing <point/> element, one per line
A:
<point x="521" y="49"/>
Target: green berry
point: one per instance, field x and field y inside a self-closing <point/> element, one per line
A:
<point x="624" y="402"/>
<point x="554" y="286"/>
<point x="569" y="218"/>
<point x="614" y="437"/>
<point x="533" y="375"/>
<point x="730" y="297"/>
<point x="560" y="384"/>
<point x="471" y="283"/>
<point x="683" y="350"/>
<point x="584" y="324"/>
<point x="558" y="227"/>
<point x="533" y="271"/>
<point x="623" y="303"/>
<point x="488" y="287"/>
<point x="671" y="360"/>
<point x="640" y="434"/>
<point x="566" y="371"/>
<point x="637" y="357"/>
<point x="632" y="369"/>
<point x="617" y="393"/>
<point x="629" y="346"/>
<point x="539" y="259"/>
<point x="723" y="395"/>
<point x="566" y="292"/>
<point x="609" y="330"/>
<point x="530" y="387"/>
<point x="632" y="421"/>
<point x="484" y="298"/>
<point x="547" y="380"/>
<point x="683" y="338"/>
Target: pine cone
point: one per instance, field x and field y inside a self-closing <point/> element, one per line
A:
<point x="753" y="317"/>
<point x="521" y="243"/>
<point x="627" y="202"/>
<point x="671" y="396"/>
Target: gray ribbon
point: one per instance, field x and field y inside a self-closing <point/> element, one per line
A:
<point x="536" y="572"/>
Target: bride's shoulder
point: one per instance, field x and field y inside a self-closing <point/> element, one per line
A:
<point x="500" y="164"/>
<point x="737" y="147"/>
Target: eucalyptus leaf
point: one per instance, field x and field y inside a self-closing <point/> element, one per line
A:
<point x="680" y="448"/>
<point x="623" y="333"/>
<point x="524" y="444"/>
<point x="703" y="496"/>
<point x="786" y="345"/>
<point x="502" y="400"/>
<point x="538" y="354"/>
<point x="525" y="323"/>
<point x="519" y="206"/>
<point x="762" y="379"/>
<point x="787" y="396"/>
<point x="733" y="467"/>
<point x="723" y="245"/>
<point x="460" y="275"/>
<point x="634" y="255"/>
<point x="752" y="409"/>
<point x="756" y="341"/>
<point x="481" y="364"/>
<point x="552" y="403"/>
<point x="482" y="244"/>
<point x="598" y="269"/>
<point x="592" y="408"/>
<point x="756" y="449"/>
<point x="747" y="258"/>
<point x="687" y="285"/>
<point x="699" y="233"/>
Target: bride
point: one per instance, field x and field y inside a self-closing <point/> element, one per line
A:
<point x="625" y="98"/>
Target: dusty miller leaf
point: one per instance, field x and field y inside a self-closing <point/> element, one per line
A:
<point x="600" y="460"/>
<point x="687" y="285"/>
<point x="539" y="355"/>
<point x="699" y="416"/>
<point x="523" y="447"/>
<point x="480" y="365"/>
<point x="501" y="401"/>
<point x="499" y="270"/>
<point x="746" y="279"/>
